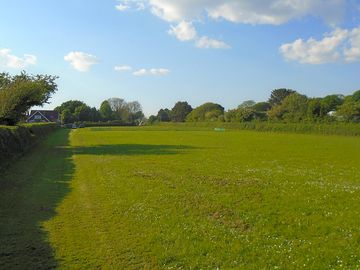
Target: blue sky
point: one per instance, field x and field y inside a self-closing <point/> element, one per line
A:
<point x="224" y="51"/>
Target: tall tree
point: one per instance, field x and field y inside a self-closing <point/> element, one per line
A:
<point x="164" y="115"/>
<point x="21" y="92"/>
<point x="278" y="95"/>
<point x="106" y="111"/>
<point x="180" y="111"/>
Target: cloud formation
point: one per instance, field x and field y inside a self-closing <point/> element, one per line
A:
<point x="9" y="60"/>
<point x="123" y="68"/>
<point x="184" y="31"/>
<point x="208" y="43"/>
<point x="152" y="71"/>
<point x="273" y="12"/>
<point x="81" y="61"/>
<point x="341" y="45"/>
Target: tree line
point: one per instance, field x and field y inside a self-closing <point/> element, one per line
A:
<point x="283" y="105"/>
<point x="111" y="110"/>
<point x="19" y="93"/>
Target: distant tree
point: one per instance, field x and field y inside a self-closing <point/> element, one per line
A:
<point x="70" y="105"/>
<point x="261" y="107"/>
<point x="20" y="92"/>
<point x="117" y="104"/>
<point x="164" y="115"/>
<point x="349" y="110"/>
<point x="180" y="111"/>
<point x="207" y="112"/>
<point x="314" y="109"/>
<point x="66" y="117"/>
<point x="94" y="115"/>
<point x="356" y="96"/>
<point x="330" y="103"/>
<point x="105" y="111"/>
<point x="293" y="109"/>
<point x="152" y="119"/>
<point x="278" y="95"/>
<point x="246" y="104"/>
<point x="82" y="113"/>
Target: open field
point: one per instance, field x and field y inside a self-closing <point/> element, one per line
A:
<point x="153" y="198"/>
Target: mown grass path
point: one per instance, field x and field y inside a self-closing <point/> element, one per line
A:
<point x="130" y="198"/>
<point x="29" y="193"/>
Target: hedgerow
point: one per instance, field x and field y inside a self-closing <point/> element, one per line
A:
<point x="16" y="140"/>
<point x="346" y="129"/>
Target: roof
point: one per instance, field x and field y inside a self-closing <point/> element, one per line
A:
<point x="50" y="115"/>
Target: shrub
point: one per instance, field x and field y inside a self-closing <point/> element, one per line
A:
<point x="14" y="141"/>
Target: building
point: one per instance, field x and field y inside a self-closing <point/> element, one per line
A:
<point x="43" y="116"/>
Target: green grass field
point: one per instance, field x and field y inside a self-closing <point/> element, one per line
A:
<point x="152" y="198"/>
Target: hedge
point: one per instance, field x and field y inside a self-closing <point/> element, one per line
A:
<point x="15" y="141"/>
<point x="336" y="128"/>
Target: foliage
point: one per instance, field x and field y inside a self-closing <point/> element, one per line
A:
<point x="278" y="95"/>
<point x="14" y="141"/>
<point x="206" y="112"/>
<point x="246" y="104"/>
<point x="105" y="111"/>
<point x="21" y="92"/>
<point x="292" y="109"/>
<point x="180" y="111"/>
<point x="164" y="115"/>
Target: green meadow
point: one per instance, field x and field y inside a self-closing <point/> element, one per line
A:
<point x="190" y="198"/>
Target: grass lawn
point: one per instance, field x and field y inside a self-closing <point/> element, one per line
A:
<point x="152" y="198"/>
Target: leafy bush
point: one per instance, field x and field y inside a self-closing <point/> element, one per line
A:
<point x="14" y="141"/>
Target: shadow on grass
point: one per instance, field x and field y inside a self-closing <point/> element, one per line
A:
<point x="34" y="186"/>
<point x="29" y="194"/>
<point x="132" y="149"/>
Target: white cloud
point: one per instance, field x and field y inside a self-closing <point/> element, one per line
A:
<point x="159" y="71"/>
<point x="122" y="7"/>
<point x="352" y="53"/>
<point x="12" y="61"/>
<point x="274" y="12"/>
<point x="152" y="71"/>
<point x="140" y="72"/>
<point x="184" y="31"/>
<point x="122" y="68"/>
<point x="244" y="11"/>
<point x="81" y="61"/>
<point x="208" y="43"/>
<point x="340" y="45"/>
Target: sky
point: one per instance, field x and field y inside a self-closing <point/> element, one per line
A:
<point x="159" y="52"/>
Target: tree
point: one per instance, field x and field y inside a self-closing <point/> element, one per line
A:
<point x="117" y="104"/>
<point x="246" y="104"/>
<point x="21" y="92"/>
<point x="278" y="95"/>
<point x="82" y="113"/>
<point x="70" y="105"/>
<point x="180" y="111"/>
<point x="206" y="112"/>
<point x="349" y="110"/>
<point x="261" y="107"/>
<point x="330" y="103"/>
<point x="356" y="96"/>
<point x="152" y="119"/>
<point x="105" y="111"/>
<point x="164" y="115"/>
<point x="293" y="109"/>
<point x="66" y="117"/>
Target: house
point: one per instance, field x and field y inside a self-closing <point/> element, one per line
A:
<point x="44" y="116"/>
